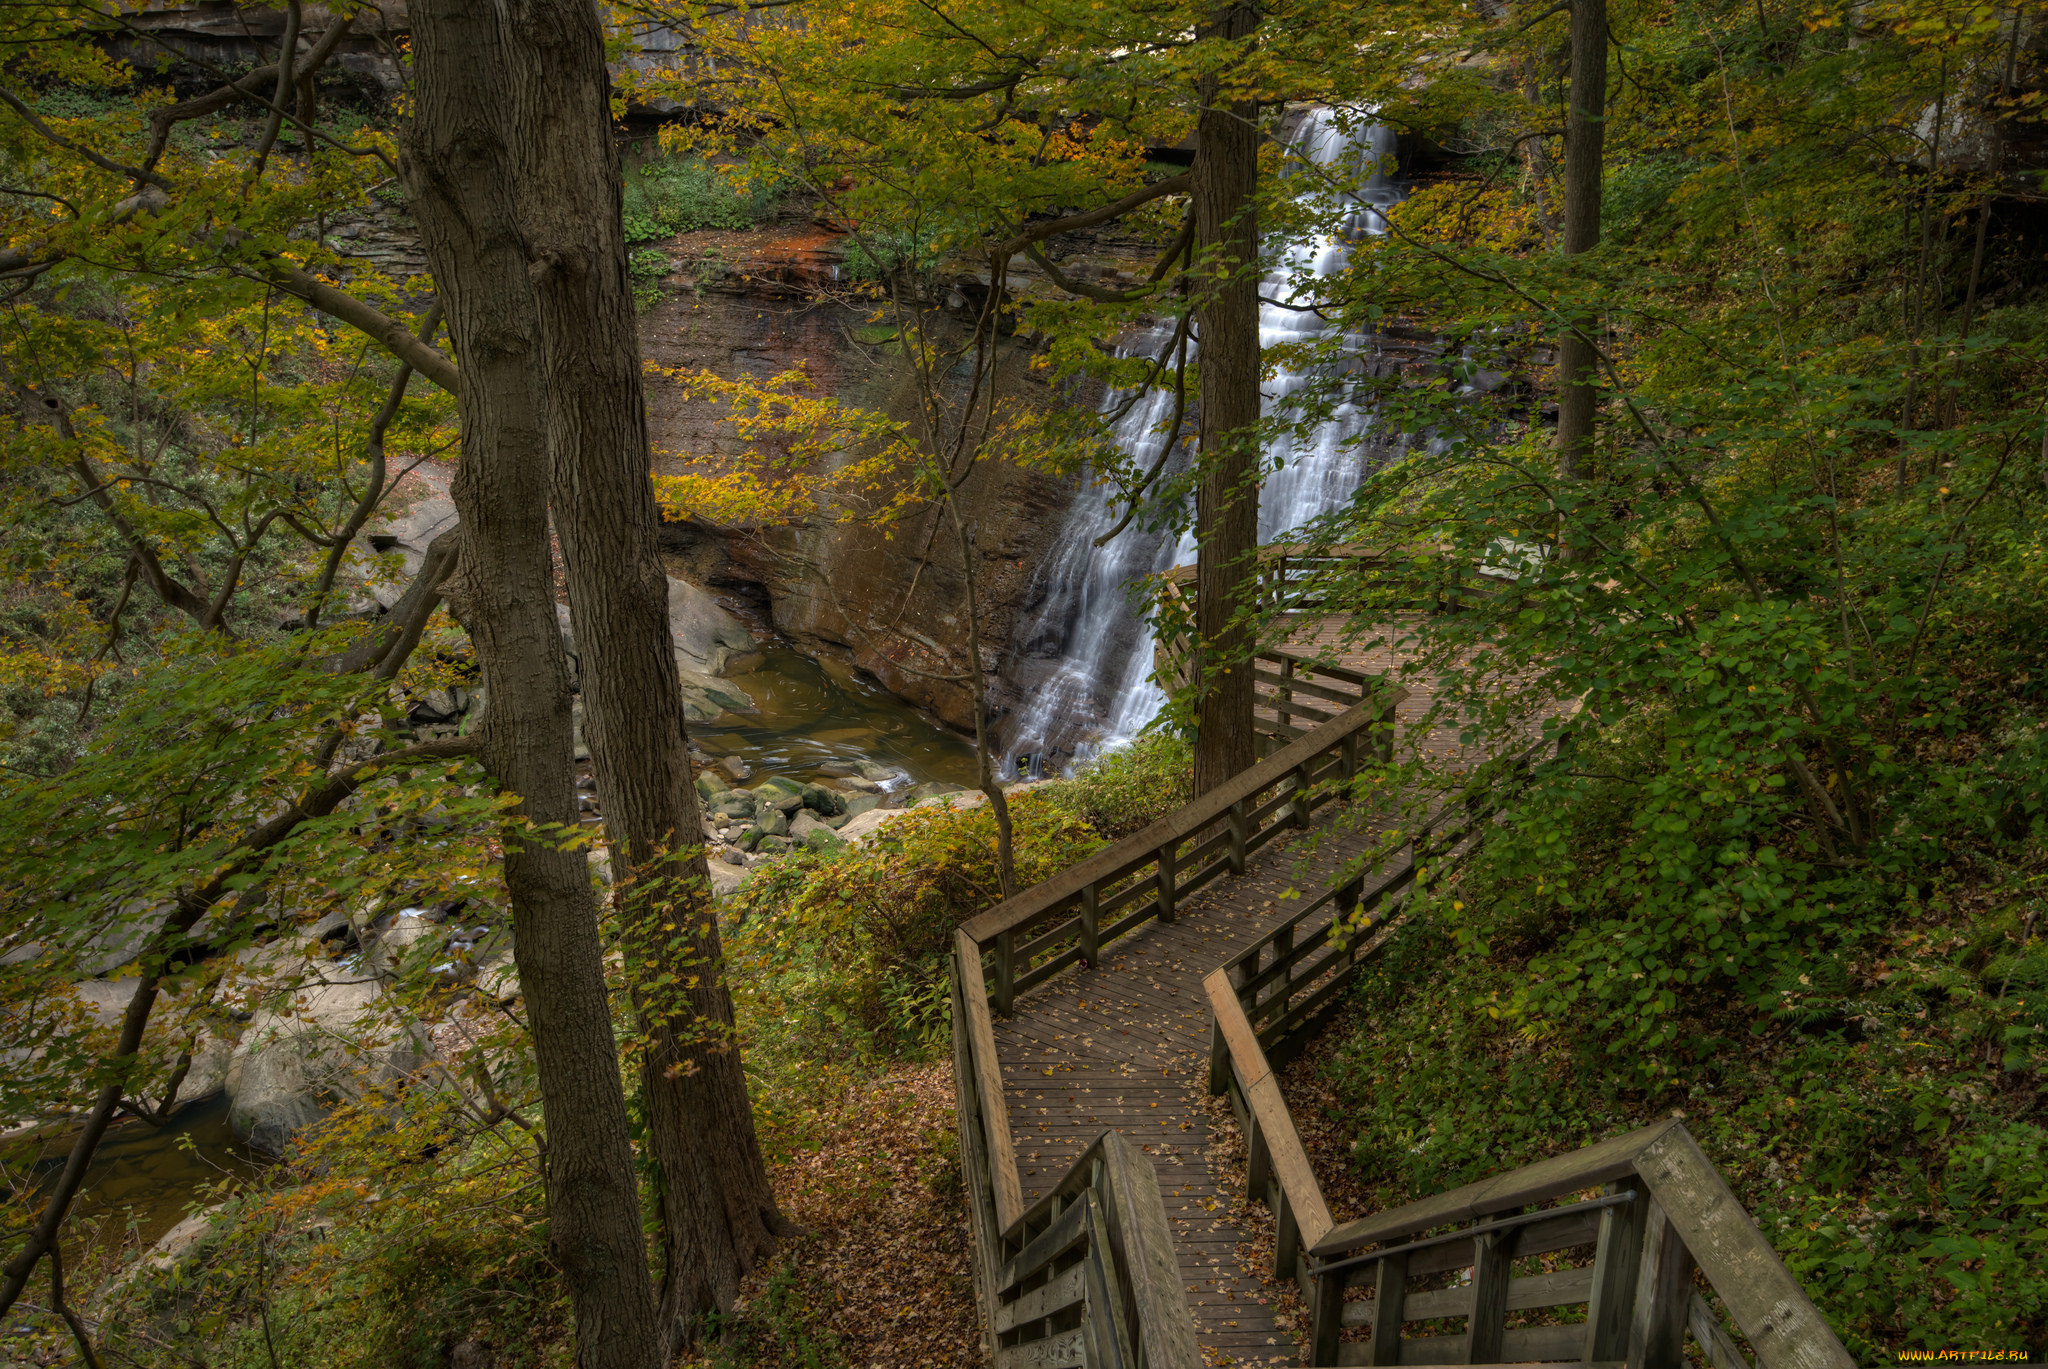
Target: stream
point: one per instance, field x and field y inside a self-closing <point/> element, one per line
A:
<point x="143" y="1178"/>
<point x="811" y="714"/>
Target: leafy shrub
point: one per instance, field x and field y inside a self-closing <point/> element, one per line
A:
<point x="849" y="946"/>
<point x="354" y="1253"/>
<point x="783" y="1327"/>
<point x="683" y="194"/>
<point x="648" y="266"/>
<point x="875" y="254"/>
<point x="1123" y="790"/>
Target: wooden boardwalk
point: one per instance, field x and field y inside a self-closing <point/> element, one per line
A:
<point x="1126" y="1045"/>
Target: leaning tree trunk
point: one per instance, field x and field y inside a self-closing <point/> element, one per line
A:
<point x="457" y="172"/>
<point x="718" y="1211"/>
<point x="1226" y="173"/>
<point x="1585" y="132"/>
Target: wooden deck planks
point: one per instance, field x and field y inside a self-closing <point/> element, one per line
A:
<point x="1125" y="1045"/>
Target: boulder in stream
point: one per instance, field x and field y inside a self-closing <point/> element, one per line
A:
<point x="705" y="635"/>
<point x="290" y="1065"/>
<point x="823" y="801"/>
<point x="809" y="830"/>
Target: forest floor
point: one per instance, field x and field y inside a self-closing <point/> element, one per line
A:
<point x="883" y="1276"/>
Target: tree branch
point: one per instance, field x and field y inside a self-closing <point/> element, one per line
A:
<point x="134" y="173"/>
<point x="1116" y="209"/>
<point x="373" y="491"/>
<point x="366" y="318"/>
<point x="161" y="121"/>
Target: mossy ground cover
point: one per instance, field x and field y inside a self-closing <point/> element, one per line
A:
<point x="1873" y="1113"/>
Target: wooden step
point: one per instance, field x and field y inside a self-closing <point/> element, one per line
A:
<point x="1067" y="1350"/>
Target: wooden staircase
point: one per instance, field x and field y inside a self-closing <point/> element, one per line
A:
<point x="1620" y="1255"/>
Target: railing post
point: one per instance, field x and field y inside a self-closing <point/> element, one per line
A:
<point x="1286" y="1236"/>
<point x="1285" y="697"/>
<point x="1348" y="899"/>
<point x="1390" y="1300"/>
<point x="1005" y="995"/>
<point x="1299" y="808"/>
<point x="1488" y="1323"/>
<point x="1347" y="756"/>
<point x="1616" y="1255"/>
<point x="1384" y="728"/>
<point x="1326" y="1318"/>
<point x="1283" y="987"/>
<point x="1166" y="859"/>
<point x="1239" y="835"/>
<point x="1258" y="1161"/>
<point x="1656" y="1336"/>
<point x="1091" y="932"/>
<point x="1219" y="1061"/>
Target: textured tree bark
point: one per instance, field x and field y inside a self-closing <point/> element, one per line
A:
<point x="719" y="1214"/>
<point x="1226" y="173"/>
<point x="457" y="167"/>
<point x="1585" y="132"/>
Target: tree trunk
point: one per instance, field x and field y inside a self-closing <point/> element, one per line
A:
<point x="1585" y="132"/>
<point x="718" y="1211"/>
<point x="457" y="171"/>
<point x="1226" y="174"/>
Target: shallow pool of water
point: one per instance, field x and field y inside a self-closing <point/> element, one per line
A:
<point x="810" y="713"/>
<point x="144" y="1178"/>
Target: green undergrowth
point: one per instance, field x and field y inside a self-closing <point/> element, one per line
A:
<point x="407" y="1224"/>
<point x="392" y="1233"/>
<point x="1870" y="1085"/>
<point x="839" y="957"/>
<point x="784" y="1326"/>
<point x="672" y="195"/>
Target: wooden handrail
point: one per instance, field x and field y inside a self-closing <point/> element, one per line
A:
<point x="1287" y="576"/>
<point x="1274" y="1146"/>
<point x="1122" y="1303"/>
<point x="1611" y="1159"/>
<point x="1185" y="851"/>
<point x="1137" y="850"/>
<point x="980" y="1038"/>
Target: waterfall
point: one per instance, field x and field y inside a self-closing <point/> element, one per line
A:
<point x="1083" y="659"/>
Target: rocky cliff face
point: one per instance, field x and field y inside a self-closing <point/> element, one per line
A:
<point x="760" y="303"/>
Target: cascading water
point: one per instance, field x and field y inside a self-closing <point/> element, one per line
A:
<point x="1084" y="660"/>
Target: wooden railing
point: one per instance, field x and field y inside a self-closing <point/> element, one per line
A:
<point x="1069" y="918"/>
<point x="1085" y="1276"/>
<point x="1307" y="579"/>
<point x="1293" y="693"/>
<point x="1627" y="1256"/>
<point x="1088" y="1274"/>
<point x="1267" y="1001"/>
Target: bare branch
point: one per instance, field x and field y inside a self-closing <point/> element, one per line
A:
<point x="367" y="318"/>
<point x="1116" y="209"/>
<point x="374" y="490"/>
<point x="162" y="120"/>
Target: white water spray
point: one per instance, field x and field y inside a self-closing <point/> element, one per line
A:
<point x="1098" y="691"/>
